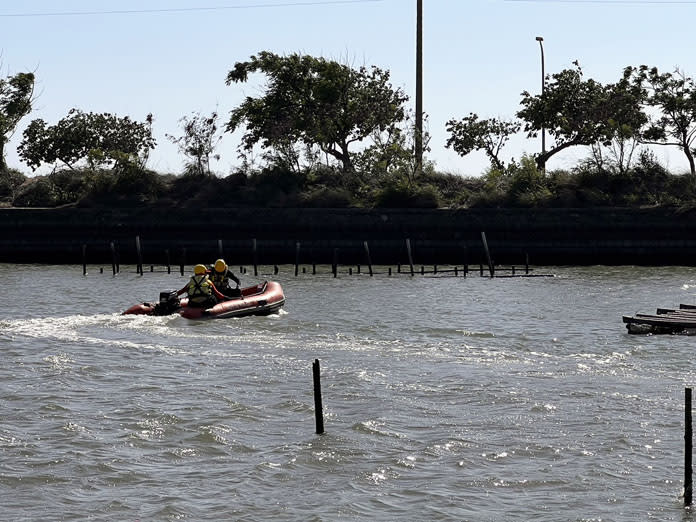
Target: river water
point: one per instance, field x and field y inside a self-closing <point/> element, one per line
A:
<point x="444" y="399"/>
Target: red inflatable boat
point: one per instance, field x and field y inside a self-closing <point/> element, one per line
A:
<point x="263" y="299"/>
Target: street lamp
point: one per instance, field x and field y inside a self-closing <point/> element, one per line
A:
<point x="543" y="136"/>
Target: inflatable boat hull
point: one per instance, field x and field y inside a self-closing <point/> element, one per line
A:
<point x="263" y="299"/>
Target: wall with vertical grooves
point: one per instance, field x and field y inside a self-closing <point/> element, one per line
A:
<point x="548" y="236"/>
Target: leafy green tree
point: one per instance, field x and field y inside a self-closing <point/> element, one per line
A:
<point x="16" y="97"/>
<point x="98" y="139"/>
<point x="575" y="111"/>
<point x="674" y="95"/>
<point x="10" y="182"/>
<point x="316" y="102"/>
<point x="471" y="134"/>
<point x="198" y="142"/>
<point x="391" y="155"/>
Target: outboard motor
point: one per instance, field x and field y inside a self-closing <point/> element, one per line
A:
<point x="168" y="303"/>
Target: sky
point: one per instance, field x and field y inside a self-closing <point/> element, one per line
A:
<point x="171" y="57"/>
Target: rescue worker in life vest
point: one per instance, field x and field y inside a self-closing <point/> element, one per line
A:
<point x="200" y="289"/>
<point x="220" y="275"/>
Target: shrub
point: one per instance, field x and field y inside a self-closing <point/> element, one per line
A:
<point x="525" y="179"/>
<point x="135" y="183"/>
<point x="400" y="195"/>
<point x="37" y="192"/>
<point x="10" y="181"/>
<point x="325" y="197"/>
<point x="70" y="185"/>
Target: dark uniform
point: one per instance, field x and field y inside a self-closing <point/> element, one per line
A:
<point x="221" y="280"/>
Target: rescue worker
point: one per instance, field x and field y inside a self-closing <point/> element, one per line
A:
<point x="200" y="289"/>
<point x="220" y="275"/>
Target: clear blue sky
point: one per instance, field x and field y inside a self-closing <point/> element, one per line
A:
<point x="479" y="55"/>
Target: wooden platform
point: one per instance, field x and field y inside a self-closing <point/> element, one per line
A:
<point x="664" y="321"/>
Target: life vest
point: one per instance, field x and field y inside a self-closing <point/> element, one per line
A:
<point x="199" y="289"/>
<point x="220" y="280"/>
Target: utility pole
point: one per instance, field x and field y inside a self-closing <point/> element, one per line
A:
<point x="419" y="88"/>
<point x="543" y="83"/>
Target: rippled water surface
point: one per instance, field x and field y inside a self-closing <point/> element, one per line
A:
<point x="444" y="399"/>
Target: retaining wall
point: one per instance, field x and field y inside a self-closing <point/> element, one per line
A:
<point x="545" y="236"/>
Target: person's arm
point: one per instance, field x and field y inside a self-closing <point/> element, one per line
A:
<point x="233" y="277"/>
<point x="183" y="290"/>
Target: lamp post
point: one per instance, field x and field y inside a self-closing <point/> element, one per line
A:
<point x="543" y="134"/>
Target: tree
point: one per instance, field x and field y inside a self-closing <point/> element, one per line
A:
<point x="471" y="134"/>
<point x="99" y="139"/>
<point x="316" y="102"/>
<point x="10" y="182"/>
<point x="625" y="126"/>
<point x="674" y="94"/>
<point x="391" y="155"/>
<point x="16" y="97"/>
<point x="581" y="112"/>
<point x="198" y="142"/>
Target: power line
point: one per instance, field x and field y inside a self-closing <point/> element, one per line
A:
<point x="188" y="9"/>
<point x="607" y="2"/>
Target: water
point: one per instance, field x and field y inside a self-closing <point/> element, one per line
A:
<point x="445" y="399"/>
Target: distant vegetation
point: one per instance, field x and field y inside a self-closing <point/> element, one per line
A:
<point x="323" y="134"/>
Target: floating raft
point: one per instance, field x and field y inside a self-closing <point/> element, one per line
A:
<point x="664" y="321"/>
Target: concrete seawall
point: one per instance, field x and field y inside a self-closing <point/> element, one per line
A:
<point x="547" y="236"/>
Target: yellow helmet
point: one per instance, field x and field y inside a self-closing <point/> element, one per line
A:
<point x="199" y="269"/>
<point x="220" y="265"/>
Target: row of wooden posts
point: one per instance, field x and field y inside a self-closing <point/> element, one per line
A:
<point x="115" y="265"/>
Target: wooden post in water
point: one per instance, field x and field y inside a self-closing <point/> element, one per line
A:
<point x="488" y="254"/>
<point x="314" y="268"/>
<point x="297" y="258"/>
<point x="334" y="265"/>
<point x="688" y="471"/>
<point x="410" y="256"/>
<point x="113" y="257"/>
<point x="84" y="259"/>
<point x="466" y="259"/>
<point x="526" y="263"/>
<point x="183" y="261"/>
<point x="138" y="250"/>
<point x="389" y="271"/>
<point x="220" y="251"/>
<point x="369" y="259"/>
<point x="318" y="408"/>
<point x="169" y="265"/>
<point x="256" y="268"/>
